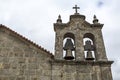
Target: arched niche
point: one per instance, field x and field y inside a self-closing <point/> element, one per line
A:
<point x="89" y="46"/>
<point x="69" y="41"/>
<point x="70" y="35"/>
<point x="90" y="36"/>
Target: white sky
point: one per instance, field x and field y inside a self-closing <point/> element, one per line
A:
<point x="34" y="19"/>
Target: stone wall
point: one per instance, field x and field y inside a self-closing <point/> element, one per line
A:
<point x="81" y="70"/>
<point x="22" y="61"/>
<point x="71" y="70"/>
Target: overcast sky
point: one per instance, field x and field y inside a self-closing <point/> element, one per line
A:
<point x="34" y="19"/>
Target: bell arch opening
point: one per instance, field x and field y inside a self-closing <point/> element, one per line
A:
<point x="89" y="46"/>
<point x="69" y="46"/>
<point x="90" y="36"/>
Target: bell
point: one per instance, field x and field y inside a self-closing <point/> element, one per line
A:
<point x="89" y="56"/>
<point x="69" y="47"/>
<point x="69" y="55"/>
<point x="88" y="45"/>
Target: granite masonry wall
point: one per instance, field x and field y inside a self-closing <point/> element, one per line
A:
<point x="20" y="60"/>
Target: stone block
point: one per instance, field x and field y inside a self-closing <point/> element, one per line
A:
<point x="83" y="69"/>
<point x="21" y="60"/>
<point x="4" y="78"/>
<point x="32" y="60"/>
<point x="22" y="65"/>
<point x="39" y="72"/>
<point x="30" y="72"/>
<point x="34" y="78"/>
<point x="12" y="78"/>
<point x="56" y="72"/>
<point x="57" y="78"/>
<point x="46" y="72"/>
<point x="6" y="65"/>
<point x="20" y="78"/>
<point x="14" y="65"/>
<point x="33" y="66"/>
<point x="18" y="54"/>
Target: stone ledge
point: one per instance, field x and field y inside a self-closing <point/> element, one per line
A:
<point x="97" y="25"/>
<point x="82" y="62"/>
<point x="77" y="16"/>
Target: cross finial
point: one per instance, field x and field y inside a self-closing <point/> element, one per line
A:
<point x="95" y="17"/>
<point x="76" y="8"/>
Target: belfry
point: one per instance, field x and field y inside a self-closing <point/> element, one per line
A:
<point x="79" y="53"/>
<point x="79" y="49"/>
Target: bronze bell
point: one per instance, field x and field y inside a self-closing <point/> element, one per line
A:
<point x="89" y="48"/>
<point x="89" y="56"/>
<point x="69" y="47"/>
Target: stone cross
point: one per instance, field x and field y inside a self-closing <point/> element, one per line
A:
<point x="76" y="8"/>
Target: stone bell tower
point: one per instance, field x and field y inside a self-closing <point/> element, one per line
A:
<point x="79" y="50"/>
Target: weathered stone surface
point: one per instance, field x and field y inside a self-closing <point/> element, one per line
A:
<point x="21" y="59"/>
<point x="78" y="30"/>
